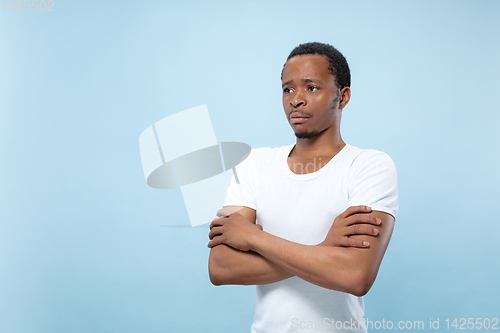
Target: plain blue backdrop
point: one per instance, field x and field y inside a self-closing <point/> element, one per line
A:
<point x="82" y="247"/>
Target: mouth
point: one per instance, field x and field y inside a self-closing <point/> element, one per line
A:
<point x="298" y="118"/>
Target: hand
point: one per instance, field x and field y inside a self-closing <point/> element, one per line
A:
<point x="228" y="210"/>
<point x="355" y="220"/>
<point x="233" y="230"/>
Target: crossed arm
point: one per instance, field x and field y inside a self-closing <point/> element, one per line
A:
<point x="242" y="253"/>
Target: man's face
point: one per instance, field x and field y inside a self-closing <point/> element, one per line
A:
<point x="310" y="95"/>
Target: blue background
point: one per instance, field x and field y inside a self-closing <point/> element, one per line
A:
<point x="82" y="247"/>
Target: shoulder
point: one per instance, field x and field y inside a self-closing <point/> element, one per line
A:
<point x="372" y="181"/>
<point x="264" y="157"/>
<point x="268" y="154"/>
<point x="364" y="160"/>
<point x="264" y="152"/>
<point x="368" y="156"/>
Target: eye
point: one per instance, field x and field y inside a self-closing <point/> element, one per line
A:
<point x="313" y="88"/>
<point x="287" y="90"/>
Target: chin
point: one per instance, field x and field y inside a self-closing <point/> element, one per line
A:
<point x="306" y="135"/>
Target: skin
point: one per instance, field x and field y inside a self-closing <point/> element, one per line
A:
<point x="349" y="258"/>
<point x="310" y="90"/>
<point x="229" y="265"/>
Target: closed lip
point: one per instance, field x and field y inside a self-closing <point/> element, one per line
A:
<point x="298" y="118"/>
<point x="298" y="115"/>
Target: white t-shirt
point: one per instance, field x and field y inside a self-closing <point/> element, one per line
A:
<point x="302" y="208"/>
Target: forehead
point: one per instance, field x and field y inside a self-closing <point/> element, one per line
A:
<point x="307" y="66"/>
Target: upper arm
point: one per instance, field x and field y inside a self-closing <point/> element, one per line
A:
<point x="248" y="213"/>
<point x="368" y="259"/>
<point x="373" y="182"/>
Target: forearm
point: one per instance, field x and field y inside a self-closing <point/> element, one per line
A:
<point x="227" y="265"/>
<point x="352" y="270"/>
<point x="337" y="268"/>
<point x="346" y="269"/>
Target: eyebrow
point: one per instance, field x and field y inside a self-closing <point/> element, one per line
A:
<point x="303" y="80"/>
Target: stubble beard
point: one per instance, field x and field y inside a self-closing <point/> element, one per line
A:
<point x="306" y="135"/>
<point x="312" y="134"/>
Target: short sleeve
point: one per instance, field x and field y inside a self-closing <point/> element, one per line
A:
<point x="373" y="182"/>
<point x="242" y="189"/>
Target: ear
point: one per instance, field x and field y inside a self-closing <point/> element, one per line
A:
<point x="345" y="97"/>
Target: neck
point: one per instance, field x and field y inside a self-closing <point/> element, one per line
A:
<point x="327" y="143"/>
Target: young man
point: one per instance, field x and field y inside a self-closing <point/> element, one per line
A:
<point x="308" y="223"/>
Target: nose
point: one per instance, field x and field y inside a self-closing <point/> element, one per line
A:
<point x="298" y="99"/>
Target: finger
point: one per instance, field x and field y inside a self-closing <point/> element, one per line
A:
<point x="361" y="229"/>
<point x="351" y="242"/>
<point x="214" y="232"/>
<point x="217" y="222"/>
<point x="215" y="241"/>
<point x="355" y="209"/>
<point x="362" y="218"/>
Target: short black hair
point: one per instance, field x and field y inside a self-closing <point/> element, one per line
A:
<point x="338" y="64"/>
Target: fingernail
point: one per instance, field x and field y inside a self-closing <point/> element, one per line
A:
<point x="375" y="231"/>
<point x="379" y="221"/>
<point x="366" y="243"/>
